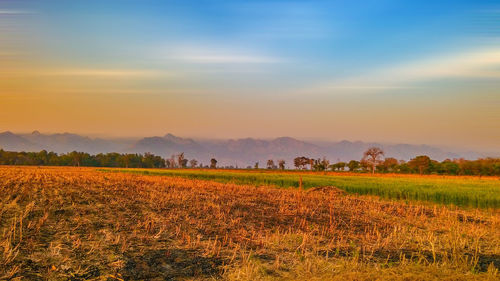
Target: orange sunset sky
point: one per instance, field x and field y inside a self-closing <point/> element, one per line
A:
<point x="386" y="71"/>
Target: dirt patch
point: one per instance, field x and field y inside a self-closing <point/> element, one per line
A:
<point x="170" y="264"/>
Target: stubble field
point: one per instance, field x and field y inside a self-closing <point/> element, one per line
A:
<point x="84" y="224"/>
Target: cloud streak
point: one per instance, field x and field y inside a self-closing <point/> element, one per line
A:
<point x="82" y="73"/>
<point x="217" y="55"/>
<point x="15" y="12"/>
<point x="103" y="73"/>
<point x="477" y="64"/>
<point x="226" y="59"/>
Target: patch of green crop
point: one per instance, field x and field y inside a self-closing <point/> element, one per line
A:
<point x="464" y="192"/>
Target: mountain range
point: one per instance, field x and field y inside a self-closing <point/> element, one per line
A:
<point x="237" y="152"/>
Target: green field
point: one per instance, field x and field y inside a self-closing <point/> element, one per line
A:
<point x="459" y="191"/>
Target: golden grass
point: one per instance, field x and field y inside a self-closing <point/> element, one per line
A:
<point x="79" y="224"/>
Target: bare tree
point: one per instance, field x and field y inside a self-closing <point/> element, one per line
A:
<point x="373" y="157"/>
<point x="172" y="162"/>
<point x="270" y="163"/>
<point x="181" y="160"/>
<point x="325" y="163"/>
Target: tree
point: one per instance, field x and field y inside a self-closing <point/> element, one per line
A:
<point x="297" y="163"/>
<point x="373" y="156"/>
<point x="321" y="164"/>
<point x="301" y="162"/>
<point x="324" y="164"/>
<point x="281" y="164"/>
<point x="420" y="163"/>
<point x="193" y="163"/>
<point x="339" y="166"/>
<point x="389" y="165"/>
<point x="181" y="160"/>
<point x="270" y="164"/>
<point x="76" y="158"/>
<point x="150" y="160"/>
<point x="353" y="165"/>
<point x="171" y="162"/>
<point x="311" y="163"/>
<point x="449" y="167"/>
<point x="256" y="166"/>
<point x="213" y="163"/>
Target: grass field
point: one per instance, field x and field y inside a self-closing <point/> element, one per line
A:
<point x="81" y="224"/>
<point x="472" y="192"/>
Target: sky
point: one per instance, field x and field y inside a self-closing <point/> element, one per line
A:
<point x="420" y="72"/>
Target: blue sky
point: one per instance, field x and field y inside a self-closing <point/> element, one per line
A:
<point x="335" y="57"/>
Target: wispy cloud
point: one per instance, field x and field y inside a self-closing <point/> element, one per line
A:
<point x="217" y="55"/>
<point x="223" y="59"/>
<point x="103" y="73"/>
<point x="88" y="72"/>
<point x="481" y="64"/>
<point x="16" y="12"/>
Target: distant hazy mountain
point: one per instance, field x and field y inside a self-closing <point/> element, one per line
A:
<point x="166" y="145"/>
<point x="60" y="143"/>
<point x="69" y="142"/>
<point x="11" y="141"/>
<point x="240" y="152"/>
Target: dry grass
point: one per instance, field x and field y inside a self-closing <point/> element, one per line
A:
<point x="79" y="224"/>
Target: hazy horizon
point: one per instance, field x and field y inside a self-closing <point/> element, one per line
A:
<point x="487" y="152"/>
<point x="424" y="72"/>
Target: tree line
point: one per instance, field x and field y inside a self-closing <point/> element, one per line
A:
<point x="373" y="161"/>
<point x="113" y="159"/>
<point x="75" y="158"/>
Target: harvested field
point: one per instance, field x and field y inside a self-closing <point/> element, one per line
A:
<point x="82" y="224"/>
